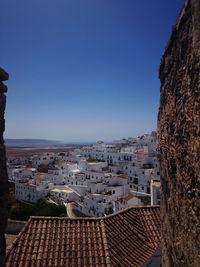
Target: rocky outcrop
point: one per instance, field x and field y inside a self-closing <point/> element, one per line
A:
<point x="3" y="169"/>
<point x="179" y="140"/>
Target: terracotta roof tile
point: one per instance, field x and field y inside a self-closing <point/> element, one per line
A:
<point x="126" y="238"/>
<point x="133" y="235"/>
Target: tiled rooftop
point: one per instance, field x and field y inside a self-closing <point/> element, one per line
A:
<point x="132" y="235"/>
<point x="126" y="238"/>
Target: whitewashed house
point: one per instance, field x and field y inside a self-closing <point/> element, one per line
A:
<point x="126" y="201"/>
<point x="99" y="199"/>
<point x="14" y="174"/>
<point x="155" y="192"/>
<point x="44" y="159"/>
<point x="55" y="176"/>
<point x="63" y="194"/>
<point x="31" y="190"/>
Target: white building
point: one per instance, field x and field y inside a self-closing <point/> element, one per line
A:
<point x="44" y="159"/>
<point x="55" y="176"/>
<point x="155" y="192"/>
<point x="16" y="173"/>
<point x="63" y="194"/>
<point x="31" y="190"/>
<point x="101" y="179"/>
<point x="128" y="200"/>
<point x="99" y="199"/>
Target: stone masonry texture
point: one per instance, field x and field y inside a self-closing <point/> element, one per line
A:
<point x="179" y="140"/>
<point x="3" y="169"/>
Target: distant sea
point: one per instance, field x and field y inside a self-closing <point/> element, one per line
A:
<point x="13" y="142"/>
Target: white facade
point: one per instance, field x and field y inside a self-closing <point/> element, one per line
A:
<point x="128" y="200"/>
<point x="14" y="174"/>
<point x="45" y="159"/>
<point x="96" y="166"/>
<point x="100" y="179"/>
<point x="155" y="192"/>
<point x="55" y="176"/>
<point x="100" y="197"/>
<point x="31" y="190"/>
<point x="63" y="194"/>
<point x="101" y="202"/>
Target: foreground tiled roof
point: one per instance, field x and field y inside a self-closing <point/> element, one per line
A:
<point x="126" y="238"/>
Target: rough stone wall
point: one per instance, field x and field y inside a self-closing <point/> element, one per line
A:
<point x="179" y="140"/>
<point x="14" y="227"/>
<point x="3" y="169"/>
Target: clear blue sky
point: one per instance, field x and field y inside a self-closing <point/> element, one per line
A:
<point x="83" y="70"/>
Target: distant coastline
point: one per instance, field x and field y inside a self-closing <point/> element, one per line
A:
<point x="44" y="142"/>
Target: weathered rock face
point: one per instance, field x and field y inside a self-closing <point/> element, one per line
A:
<point x="179" y="140"/>
<point x="3" y="169"/>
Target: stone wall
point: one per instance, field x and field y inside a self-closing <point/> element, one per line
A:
<point x="14" y="227"/>
<point x="179" y="140"/>
<point x="3" y="169"/>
